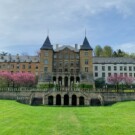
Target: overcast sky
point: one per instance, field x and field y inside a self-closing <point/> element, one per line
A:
<point x="24" y="23"/>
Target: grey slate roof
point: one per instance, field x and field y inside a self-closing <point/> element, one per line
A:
<point x="113" y="60"/>
<point x="47" y="45"/>
<point x="86" y="45"/>
<point x="66" y="46"/>
<point x="17" y="58"/>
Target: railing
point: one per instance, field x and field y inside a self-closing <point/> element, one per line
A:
<point x="65" y="89"/>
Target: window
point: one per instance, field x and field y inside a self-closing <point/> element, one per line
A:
<point x="130" y="74"/>
<point x="60" y="64"/>
<point x="86" y="53"/>
<point x="121" y="74"/>
<point x="96" y="74"/>
<point x="55" y="56"/>
<point x="18" y="66"/>
<point x="36" y="66"/>
<point x="77" y="70"/>
<point x="0" y="66"/>
<point x="45" y="69"/>
<point x="23" y="66"/>
<point x="54" y="63"/>
<point x="103" y="68"/>
<point x="72" y="70"/>
<point x="72" y="56"/>
<point x="65" y="64"/>
<point x="103" y="74"/>
<point x="60" y="70"/>
<point x="66" y="70"/>
<point x="86" y="62"/>
<point x="109" y="74"/>
<point x="96" y="68"/>
<point x="54" y="70"/>
<point x="77" y="56"/>
<point x="72" y="64"/>
<point x="66" y="56"/>
<point x="125" y="74"/>
<point x="46" y="62"/>
<point x="29" y="66"/>
<point x="125" y="68"/>
<point x="130" y="68"/>
<point x="86" y="69"/>
<point x="109" y="68"/>
<point x="60" y="56"/>
<point x="77" y="63"/>
<point x="115" y="68"/>
<point x="134" y="74"/>
<point x="46" y="53"/>
<point x="134" y="68"/>
<point x="121" y="68"/>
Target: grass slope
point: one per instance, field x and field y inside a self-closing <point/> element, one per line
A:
<point x="19" y="119"/>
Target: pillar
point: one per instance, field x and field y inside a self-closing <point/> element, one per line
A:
<point x="43" y="100"/>
<point x="74" y="79"/>
<point x="63" y="81"/>
<point x="62" y="100"/>
<point x="77" y="101"/>
<point x="70" y="101"/>
<point x="54" y="100"/>
<point x="68" y="80"/>
<point x="57" y="78"/>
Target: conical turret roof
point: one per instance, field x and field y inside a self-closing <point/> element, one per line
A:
<point x="86" y="45"/>
<point x="47" y="45"/>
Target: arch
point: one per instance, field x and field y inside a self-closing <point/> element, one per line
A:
<point x="66" y="99"/>
<point x="95" y="102"/>
<point x="71" y="80"/>
<point x="81" y="100"/>
<point x="54" y="78"/>
<point x="78" y="79"/>
<point x="37" y="101"/>
<point x="50" y="100"/>
<point x="58" y="99"/>
<point x="74" y="100"/>
<point x="66" y="81"/>
<point x="60" y="80"/>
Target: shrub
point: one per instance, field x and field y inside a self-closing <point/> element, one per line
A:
<point x="45" y="86"/>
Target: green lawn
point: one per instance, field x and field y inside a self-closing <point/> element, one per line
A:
<point x="19" y="119"/>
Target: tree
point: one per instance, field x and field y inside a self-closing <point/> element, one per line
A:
<point x="119" y="53"/>
<point x="99" y="82"/>
<point x="107" y="51"/>
<point x="98" y="51"/>
<point x="128" y="80"/>
<point x="115" y="79"/>
<point x="17" y="79"/>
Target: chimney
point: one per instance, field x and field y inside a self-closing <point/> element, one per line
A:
<point x="76" y="46"/>
<point x="57" y="46"/>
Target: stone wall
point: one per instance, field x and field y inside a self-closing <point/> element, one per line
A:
<point x="27" y="97"/>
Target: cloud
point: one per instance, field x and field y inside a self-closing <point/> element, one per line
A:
<point x="26" y="21"/>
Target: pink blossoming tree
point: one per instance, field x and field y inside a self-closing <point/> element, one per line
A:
<point x="117" y="79"/>
<point x="18" y="79"/>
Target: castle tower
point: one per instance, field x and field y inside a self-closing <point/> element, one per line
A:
<point x="46" y="61"/>
<point x="86" y="66"/>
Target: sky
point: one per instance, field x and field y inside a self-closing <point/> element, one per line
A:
<point x="25" y="24"/>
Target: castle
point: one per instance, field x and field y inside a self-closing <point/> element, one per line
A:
<point x="64" y="65"/>
<point x="67" y="65"/>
